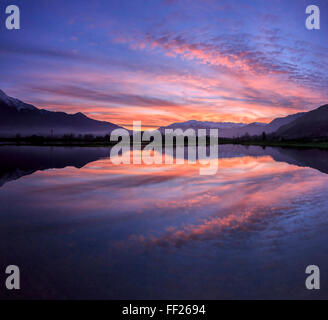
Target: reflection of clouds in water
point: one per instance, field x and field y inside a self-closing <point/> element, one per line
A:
<point x="146" y="225"/>
<point x="246" y="201"/>
<point x="264" y="230"/>
<point x="244" y="193"/>
<point x="243" y="196"/>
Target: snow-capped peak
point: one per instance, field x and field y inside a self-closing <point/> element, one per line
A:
<point x="12" y="102"/>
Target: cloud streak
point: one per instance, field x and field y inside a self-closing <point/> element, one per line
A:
<point x="186" y="60"/>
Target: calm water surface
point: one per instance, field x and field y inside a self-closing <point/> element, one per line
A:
<point x="81" y="227"/>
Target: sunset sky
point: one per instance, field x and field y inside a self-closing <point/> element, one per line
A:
<point x="166" y="61"/>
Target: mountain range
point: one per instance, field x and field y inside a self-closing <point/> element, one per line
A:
<point x="310" y="125"/>
<point x="17" y="117"/>
<point x="231" y="130"/>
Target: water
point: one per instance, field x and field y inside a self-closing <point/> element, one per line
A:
<point x="80" y="227"/>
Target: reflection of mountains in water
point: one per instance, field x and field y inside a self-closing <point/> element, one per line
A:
<point x="312" y="158"/>
<point x="19" y="161"/>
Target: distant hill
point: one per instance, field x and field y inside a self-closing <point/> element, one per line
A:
<point x="231" y="130"/>
<point x="17" y="117"/>
<point x="312" y="124"/>
<point x="194" y="124"/>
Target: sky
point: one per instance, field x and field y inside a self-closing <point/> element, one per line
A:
<point x="166" y="61"/>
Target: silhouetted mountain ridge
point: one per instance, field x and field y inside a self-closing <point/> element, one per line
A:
<point x="235" y="130"/>
<point x="17" y="117"/>
<point x="312" y="124"/>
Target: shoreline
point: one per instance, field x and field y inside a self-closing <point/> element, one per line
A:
<point x="61" y="143"/>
